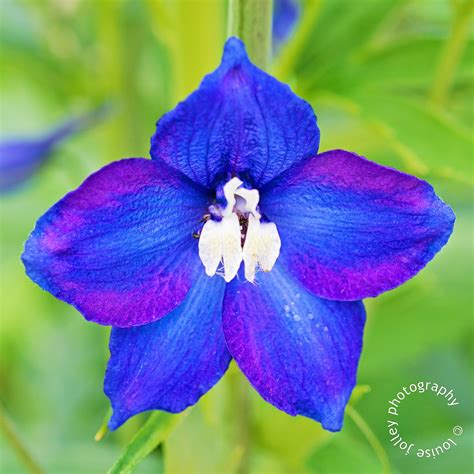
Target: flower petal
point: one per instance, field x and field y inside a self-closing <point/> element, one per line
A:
<point x="351" y="229"/>
<point x="21" y="158"/>
<point x="169" y="364"/>
<point x="241" y="121"/>
<point x="285" y="16"/>
<point x="120" y="247"/>
<point x="300" y="352"/>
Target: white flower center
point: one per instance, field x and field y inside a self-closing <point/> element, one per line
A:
<point x="238" y="236"/>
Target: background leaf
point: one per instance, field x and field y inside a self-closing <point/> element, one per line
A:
<point x="155" y="431"/>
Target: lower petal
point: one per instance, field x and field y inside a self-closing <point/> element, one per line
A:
<point x="300" y="352"/>
<point x="169" y="364"/>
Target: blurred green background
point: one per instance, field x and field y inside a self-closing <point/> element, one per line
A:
<point x="389" y="79"/>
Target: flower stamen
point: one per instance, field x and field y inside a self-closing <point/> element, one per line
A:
<point x="238" y="235"/>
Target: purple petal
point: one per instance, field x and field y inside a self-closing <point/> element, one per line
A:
<point x="169" y="364"/>
<point x="351" y="229"/>
<point x="300" y="352"/>
<point x="120" y="247"/>
<point x="240" y="121"/>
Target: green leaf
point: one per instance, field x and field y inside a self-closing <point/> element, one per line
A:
<point x="460" y="103"/>
<point x="409" y="62"/>
<point x="421" y="135"/>
<point x="155" y="431"/>
<point x="213" y="422"/>
<point x="15" y="442"/>
<point x="293" y="438"/>
<point x="344" y="453"/>
<point x="342" y="29"/>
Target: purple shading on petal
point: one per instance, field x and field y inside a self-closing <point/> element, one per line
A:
<point x="300" y="352"/>
<point x="120" y="247"/>
<point x="168" y="365"/>
<point x="351" y="229"/>
<point x="240" y="121"/>
<point x="22" y="158"/>
<point x="285" y="16"/>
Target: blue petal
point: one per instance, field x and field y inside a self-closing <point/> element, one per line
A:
<point x="21" y="158"/>
<point x="285" y="16"/>
<point x="168" y="365"/>
<point x="241" y="121"/>
<point x="120" y="248"/>
<point x="350" y="228"/>
<point x="300" y="352"/>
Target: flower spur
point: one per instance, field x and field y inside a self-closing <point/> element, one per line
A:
<point x="235" y="177"/>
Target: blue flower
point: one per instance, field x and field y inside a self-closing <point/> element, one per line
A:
<point x="235" y="177"/>
<point x="285" y="16"/>
<point x="20" y="159"/>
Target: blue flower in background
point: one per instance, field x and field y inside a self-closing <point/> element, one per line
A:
<point x="285" y="16"/>
<point x="21" y="158"/>
<point x="235" y="178"/>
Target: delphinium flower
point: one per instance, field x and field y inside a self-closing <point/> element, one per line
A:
<point x="285" y="17"/>
<point x="236" y="240"/>
<point x="21" y="158"/>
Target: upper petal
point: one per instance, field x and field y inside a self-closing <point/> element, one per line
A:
<point x="120" y="247"/>
<point x="167" y="365"/>
<point x="240" y="121"/>
<point x="350" y="228"/>
<point x="300" y="352"/>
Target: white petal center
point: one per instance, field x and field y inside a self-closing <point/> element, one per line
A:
<point x="261" y="247"/>
<point x="220" y="242"/>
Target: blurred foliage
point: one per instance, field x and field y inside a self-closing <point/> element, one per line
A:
<point x="389" y="79"/>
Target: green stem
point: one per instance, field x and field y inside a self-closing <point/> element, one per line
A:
<point x="154" y="432"/>
<point x="244" y="427"/>
<point x="452" y="52"/>
<point x="240" y="406"/>
<point x="371" y="438"/>
<point x="291" y="52"/>
<point x="103" y="429"/>
<point x="251" y="21"/>
<point x="17" y="445"/>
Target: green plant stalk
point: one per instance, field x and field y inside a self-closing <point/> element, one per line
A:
<point x="17" y="445"/>
<point x="103" y="429"/>
<point x="251" y="21"/>
<point x="371" y="438"/>
<point x="452" y="52"/>
<point x="240" y="406"/>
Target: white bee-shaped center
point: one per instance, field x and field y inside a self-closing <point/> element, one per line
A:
<point x="239" y="235"/>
